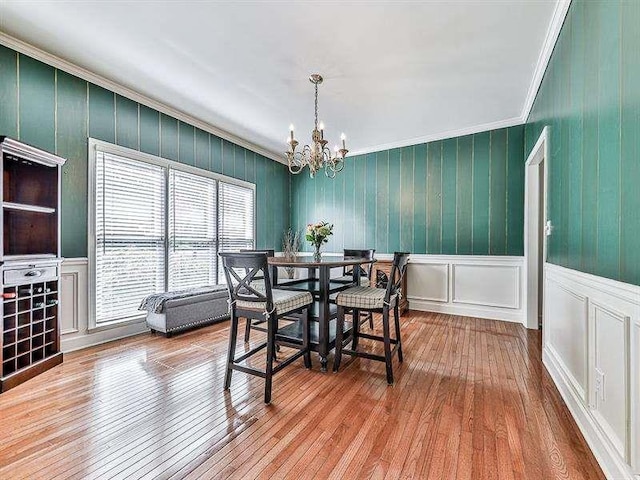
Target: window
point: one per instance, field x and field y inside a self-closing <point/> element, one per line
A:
<point x="192" y="227"/>
<point x="130" y="235"/>
<point x="157" y="225"/>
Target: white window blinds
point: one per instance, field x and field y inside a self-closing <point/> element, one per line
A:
<point x="130" y="235"/>
<point x="159" y="226"/>
<point x="235" y="229"/>
<point x="192" y="230"/>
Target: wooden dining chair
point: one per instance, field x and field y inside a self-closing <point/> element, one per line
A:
<point x="246" y="301"/>
<point x="259" y="285"/>
<point x="365" y="275"/>
<point x="371" y="299"/>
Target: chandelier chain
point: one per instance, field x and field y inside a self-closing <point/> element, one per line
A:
<point x="316" y="106"/>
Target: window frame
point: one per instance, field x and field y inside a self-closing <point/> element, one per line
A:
<point x="96" y="145"/>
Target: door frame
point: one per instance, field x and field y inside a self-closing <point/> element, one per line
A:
<point x="538" y="158"/>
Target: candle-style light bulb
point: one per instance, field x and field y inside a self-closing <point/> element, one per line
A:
<point x="291" y="131"/>
<point x="343" y="137"/>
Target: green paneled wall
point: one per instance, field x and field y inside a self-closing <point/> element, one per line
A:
<point x="590" y="98"/>
<point x="458" y="196"/>
<point x="55" y="111"/>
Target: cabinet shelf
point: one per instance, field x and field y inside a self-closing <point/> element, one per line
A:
<point x="28" y="208"/>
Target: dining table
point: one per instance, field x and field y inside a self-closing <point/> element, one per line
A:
<point x="324" y="288"/>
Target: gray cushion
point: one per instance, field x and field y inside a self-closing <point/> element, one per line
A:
<point x="364" y="297"/>
<point x="283" y="300"/>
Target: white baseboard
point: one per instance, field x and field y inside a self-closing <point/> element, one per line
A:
<point x="470" y="285"/>
<point x="591" y="348"/>
<point x="490" y="313"/>
<point x="612" y="465"/>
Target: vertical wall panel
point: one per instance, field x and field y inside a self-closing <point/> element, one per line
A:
<point x="186" y="144"/>
<point x="71" y="142"/>
<point x="228" y="154"/>
<point x="449" y="195"/>
<point x="371" y="218"/>
<point x="202" y="153"/>
<point x="37" y="103"/>
<point x="608" y="251"/>
<point x="169" y="137"/>
<point x="406" y="205"/>
<point x="420" y="199"/>
<point x="630" y="148"/>
<point x="480" y="221"/>
<point x="515" y="191"/>
<point x="126" y="122"/>
<point x="394" y="198"/>
<point x="102" y="114"/>
<point x="498" y="173"/>
<point x="216" y="154"/>
<point x="149" y="130"/>
<point x="382" y="202"/>
<point x="8" y="92"/>
<point x="434" y="198"/>
<point x="464" y="195"/>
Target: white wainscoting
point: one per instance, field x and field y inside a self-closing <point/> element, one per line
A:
<point x="591" y="348"/>
<point x="74" y="311"/>
<point x="472" y="285"/>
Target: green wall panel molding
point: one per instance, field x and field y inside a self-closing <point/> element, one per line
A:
<point x="56" y="111"/>
<point x="590" y="99"/>
<point x="457" y="196"/>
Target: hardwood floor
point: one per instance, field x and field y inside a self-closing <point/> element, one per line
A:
<point x="471" y="401"/>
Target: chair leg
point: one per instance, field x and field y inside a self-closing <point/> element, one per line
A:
<point x="306" y="336"/>
<point x="387" y="345"/>
<point x="247" y="330"/>
<point x="271" y="337"/>
<point x="233" y="334"/>
<point x="396" y="318"/>
<point x="356" y="332"/>
<point x="339" y="338"/>
<point x="370" y="315"/>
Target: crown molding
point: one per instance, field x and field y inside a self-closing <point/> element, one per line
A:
<point x="66" y="66"/>
<point x="509" y="122"/>
<point x="553" y="32"/>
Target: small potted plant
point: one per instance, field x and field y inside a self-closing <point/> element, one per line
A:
<point x="317" y="234"/>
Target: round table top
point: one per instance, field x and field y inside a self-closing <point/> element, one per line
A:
<point x="325" y="261"/>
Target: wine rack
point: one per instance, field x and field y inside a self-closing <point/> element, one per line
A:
<point x="30" y="315"/>
<point x="30" y="262"/>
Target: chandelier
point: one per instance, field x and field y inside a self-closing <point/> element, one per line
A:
<point x="316" y="155"/>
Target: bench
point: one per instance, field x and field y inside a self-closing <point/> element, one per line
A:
<point x="172" y="312"/>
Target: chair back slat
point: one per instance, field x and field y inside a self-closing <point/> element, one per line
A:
<point x="364" y="271"/>
<point x="270" y="253"/>
<point x="398" y="270"/>
<point x="240" y="270"/>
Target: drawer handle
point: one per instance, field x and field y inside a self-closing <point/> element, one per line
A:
<point x="33" y="273"/>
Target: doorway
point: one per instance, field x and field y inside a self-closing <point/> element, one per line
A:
<point x="535" y="230"/>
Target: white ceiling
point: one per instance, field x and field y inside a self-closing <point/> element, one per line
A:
<point x="396" y="73"/>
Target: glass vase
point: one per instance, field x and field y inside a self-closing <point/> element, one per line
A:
<point x="316" y="253"/>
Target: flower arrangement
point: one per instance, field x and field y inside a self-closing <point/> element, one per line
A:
<point x="317" y="234"/>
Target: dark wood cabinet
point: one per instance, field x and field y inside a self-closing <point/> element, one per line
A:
<point x="380" y="275"/>
<point x="30" y="262"/>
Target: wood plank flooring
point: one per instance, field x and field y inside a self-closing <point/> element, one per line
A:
<point x="471" y="401"/>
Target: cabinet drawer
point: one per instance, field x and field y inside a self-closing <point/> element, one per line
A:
<point x="30" y="275"/>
